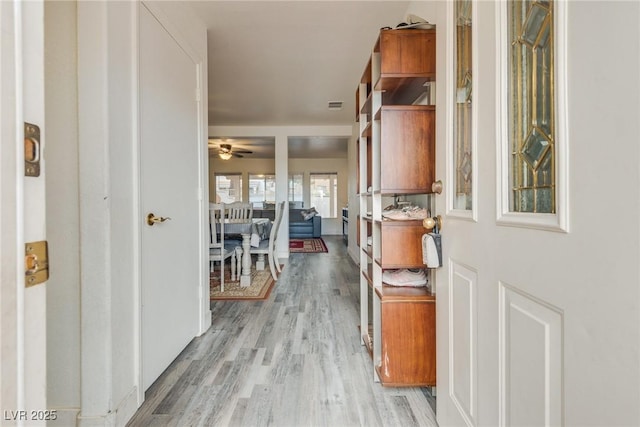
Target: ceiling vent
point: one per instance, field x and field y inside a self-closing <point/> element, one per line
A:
<point x="335" y="105"/>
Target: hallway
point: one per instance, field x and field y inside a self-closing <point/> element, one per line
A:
<point x="292" y="360"/>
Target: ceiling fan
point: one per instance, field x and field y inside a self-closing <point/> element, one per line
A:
<point x="225" y="152"/>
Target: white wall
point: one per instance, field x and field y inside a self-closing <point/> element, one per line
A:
<point x="107" y="204"/>
<point x="63" y="233"/>
<point x="341" y="167"/>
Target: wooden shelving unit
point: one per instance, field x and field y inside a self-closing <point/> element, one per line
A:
<point x="396" y="154"/>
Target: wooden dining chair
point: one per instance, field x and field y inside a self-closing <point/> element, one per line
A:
<point x="219" y="251"/>
<point x="268" y="247"/>
<point x="239" y="211"/>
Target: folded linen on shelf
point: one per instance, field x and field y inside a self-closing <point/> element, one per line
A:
<point x="404" y="277"/>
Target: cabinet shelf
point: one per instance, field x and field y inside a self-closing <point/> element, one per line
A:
<point x="365" y="84"/>
<point x="368" y="222"/>
<point x="368" y="275"/>
<point x="402" y="90"/>
<point x="367" y="338"/>
<point x="368" y="250"/>
<point x="425" y="108"/>
<point x="366" y="107"/>
<point x="404" y="293"/>
<point x="366" y="132"/>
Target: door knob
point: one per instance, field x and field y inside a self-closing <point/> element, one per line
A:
<point x="436" y="187"/>
<point x="152" y="219"/>
<point x="431" y="223"/>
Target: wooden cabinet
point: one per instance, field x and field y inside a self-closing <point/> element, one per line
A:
<point x="406" y="54"/>
<point x="400" y="244"/>
<point x="408" y="337"/>
<point x="396" y="160"/>
<point x="407" y="147"/>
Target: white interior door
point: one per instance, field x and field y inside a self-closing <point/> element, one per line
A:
<point x="169" y="188"/>
<point x="540" y="327"/>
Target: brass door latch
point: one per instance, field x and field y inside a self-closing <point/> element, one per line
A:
<point x="36" y="263"/>
<point x="31" y="150"/>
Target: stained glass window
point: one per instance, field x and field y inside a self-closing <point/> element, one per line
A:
<point x="531" y="106"/>
<point x="463" y="106"/>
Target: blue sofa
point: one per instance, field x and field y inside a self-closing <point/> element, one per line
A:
<point x="299" y="228"/>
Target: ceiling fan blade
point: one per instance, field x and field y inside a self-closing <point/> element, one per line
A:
<point x="243" y="151"/>
<point x="237" y="155"/>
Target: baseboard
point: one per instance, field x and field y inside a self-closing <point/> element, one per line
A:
<point x="116" y="418"/>
<point x="205" y="323"/>
<point x="354" y="256"/>
<point x="283" y="254"/>
<point x="65" y="417"/>
<point x="128" y="407"/>
<point x="107" y="420"/>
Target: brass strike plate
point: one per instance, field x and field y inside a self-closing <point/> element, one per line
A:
<point x="36" y="263"/>
<point x="31" y="150"/>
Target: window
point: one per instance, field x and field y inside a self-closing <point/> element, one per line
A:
<point x="296" y="193"/>
<point x="262" y="188"/>
<point x="324" y="194"/>
<point x="532" y="113"/>
<point x="462" y="152"/>
<point x="228" y="188"/>
<point x="531" y="106"/>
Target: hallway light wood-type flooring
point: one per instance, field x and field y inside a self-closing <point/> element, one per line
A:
<point x="293" y="360"/>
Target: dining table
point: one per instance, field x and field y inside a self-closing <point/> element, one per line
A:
<point x="252" y="230"/>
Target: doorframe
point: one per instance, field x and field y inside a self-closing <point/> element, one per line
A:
<point x="22" y="218"/>
<point x="11" y="220"/>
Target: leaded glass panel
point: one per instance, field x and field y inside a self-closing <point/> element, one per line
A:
<point x="462" y="151"/>
<point x="531" y="106"/>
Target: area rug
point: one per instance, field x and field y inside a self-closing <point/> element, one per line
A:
<point x="260" y="289"/>
<point x="307" y="245"/>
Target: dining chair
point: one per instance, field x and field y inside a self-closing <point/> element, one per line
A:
<point x="268" y="246"/>
<point x="219" y="251"/>
<point x="239" y="210"/>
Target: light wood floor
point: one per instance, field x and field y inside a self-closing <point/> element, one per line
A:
<point x="293" y="360"/>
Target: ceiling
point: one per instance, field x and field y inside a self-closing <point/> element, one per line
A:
<point x="300" y="147"/>
<point x="279" y="63"/>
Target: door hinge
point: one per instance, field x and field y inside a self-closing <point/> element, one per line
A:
<point x="36" y="263"/>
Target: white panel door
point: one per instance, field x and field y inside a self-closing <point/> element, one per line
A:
<point x="540" y="327"/>
<point x="168" y="188"/>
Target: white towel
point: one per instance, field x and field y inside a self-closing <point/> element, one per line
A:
<point x="430" y="251"/>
